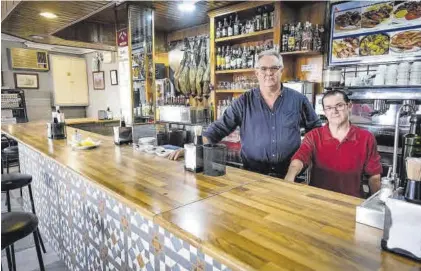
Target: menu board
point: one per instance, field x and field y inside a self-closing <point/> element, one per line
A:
<point x="30" y="59"/>
<point x="375" y="32"/>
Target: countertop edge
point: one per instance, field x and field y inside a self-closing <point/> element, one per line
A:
<point x="147" y="214"/>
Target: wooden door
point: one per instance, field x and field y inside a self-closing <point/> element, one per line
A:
<point x="70" y="81"/>
<point x="61" y="85"/>
<point x="79" y="81"/>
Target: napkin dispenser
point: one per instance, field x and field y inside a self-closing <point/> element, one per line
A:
<point x="402" y="227"/>
<point x="123" y="135"/>
<point x="56" y="130"/>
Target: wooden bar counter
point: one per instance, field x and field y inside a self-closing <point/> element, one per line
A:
<point x="114" y="208"/>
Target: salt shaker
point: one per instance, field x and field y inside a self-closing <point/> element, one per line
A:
<point x="386" y="189"/>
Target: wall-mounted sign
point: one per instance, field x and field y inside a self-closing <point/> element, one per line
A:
<point x="98" y="80"/>
<point x="122" y="38"/>
<point x="26" y="80"/>
<point x="374" y="32"/>
<point x="29" y="59"/>
<point x="307" y="68"/>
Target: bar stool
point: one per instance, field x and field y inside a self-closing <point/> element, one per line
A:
<point x="9" y="154"/>
<point x="15" y="226"/>
<point x="14" y="181"/>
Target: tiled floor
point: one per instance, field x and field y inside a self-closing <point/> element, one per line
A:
<point x="26" y="256"/>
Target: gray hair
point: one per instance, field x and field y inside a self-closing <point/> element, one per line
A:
<point x="270" y="53"/>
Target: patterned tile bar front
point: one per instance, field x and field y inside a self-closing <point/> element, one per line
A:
<point x="91" y="230"/>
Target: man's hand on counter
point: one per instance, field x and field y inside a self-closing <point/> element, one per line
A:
<point x="176" y="154"/>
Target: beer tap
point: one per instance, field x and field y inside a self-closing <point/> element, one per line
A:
<point x="407" y="108"/>
<point x="379" y="107"/>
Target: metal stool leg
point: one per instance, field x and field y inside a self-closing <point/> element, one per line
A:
<point x="9" y="259"/>
<point x="21" y="193"/>
<point x="39" y="254"/>
<point x="12" y="247"/>
<point x="7" y="164"/>
<point x="33" y="211"/>
<point x="9" y="207"/>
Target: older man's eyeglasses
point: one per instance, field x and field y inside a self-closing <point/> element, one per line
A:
<point x="339" y="107"/>
<point x="272" y="69"/>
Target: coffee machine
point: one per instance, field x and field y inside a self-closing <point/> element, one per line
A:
<point x="411" y="145"/>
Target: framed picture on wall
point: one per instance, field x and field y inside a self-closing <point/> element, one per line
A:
<point x="114" y="77"/>
<point x="98" y="80"/>
<point x="26" y="80"/>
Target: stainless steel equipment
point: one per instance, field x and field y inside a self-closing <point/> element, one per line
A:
<point x="379" y="107"/>
<point x="181" y="114"/>
<point x="305" y="88"/>
<point x="411" y="145"/>
<point x="401" y="233"/>
<point x="407" y="107"/>
<point x="386" y="113"/>
<point x="371" y="212"/>
<point x="375" y="109"/>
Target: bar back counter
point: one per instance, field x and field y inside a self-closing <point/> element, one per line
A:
<point x="114" y="208"/>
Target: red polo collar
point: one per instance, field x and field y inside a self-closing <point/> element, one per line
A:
<point x="351" y="136"/>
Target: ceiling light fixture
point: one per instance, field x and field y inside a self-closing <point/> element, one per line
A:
<point x="48" y="15"/>
<point x="186" y="6"/>
<point x="36" y="37"/>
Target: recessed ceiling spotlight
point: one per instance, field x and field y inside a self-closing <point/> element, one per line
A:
<point x="186" y="6"/>
<point x="48" y="15"/>
<point x="36" y="37"/>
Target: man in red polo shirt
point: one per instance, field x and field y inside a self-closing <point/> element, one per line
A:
<point x="340" y="152"/>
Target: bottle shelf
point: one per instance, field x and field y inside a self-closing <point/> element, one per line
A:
<point x="306" y="52"/>
<point x="245" y="36"/>
<point x="230" y="90"/>
<point x="234" y="71"/>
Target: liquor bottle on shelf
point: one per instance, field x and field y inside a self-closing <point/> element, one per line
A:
<point x="227" y="58"/>
<point x="239" y="59"/>
<point x="250" y="57"/>
<point x="218" y="59"/>
<point x="306" y="39"/>
<point x="291" y="38"/>
<point x="230" y="27"/>
<point x="257" y="51"/>
<point x="233" y="59"/>
<point x="219" y="108"/>
<point x="265" y="18"/>
<point x="244" y="58"/>
<point x="317" y="38"/>
<point x="298" y="32"/>
<point x="225" y="28"/>
<point x="222" y="67"/>
<point x="285" y="34"/>
<point x="258" y="19"/>
<point x="236" y="26"/>
<point x="271" y="17"/>
<point x="219" y="30"/>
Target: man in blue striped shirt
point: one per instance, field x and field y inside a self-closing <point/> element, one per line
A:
<point x="269" y="119"/>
